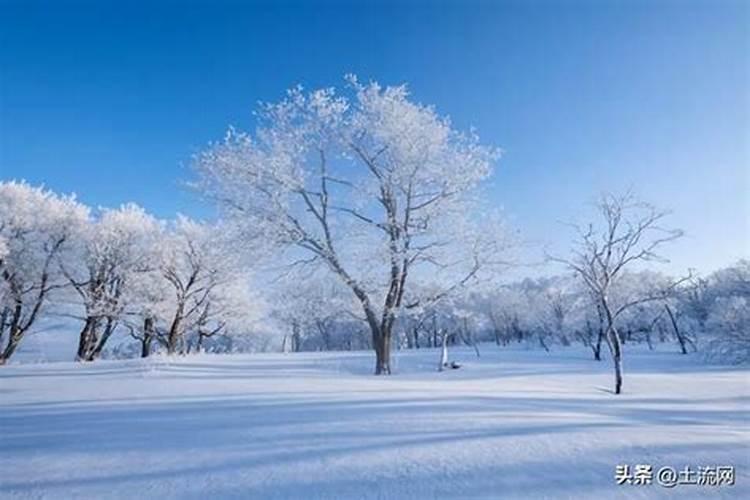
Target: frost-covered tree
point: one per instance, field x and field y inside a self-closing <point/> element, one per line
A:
<point x="545" y="309"/>
<point x="112" y="250"/>
<point x="664" y="315"/>
<point x="457" y="319"/>
<point x="196" y="263"/>
<point x="587" y="320"/>
<point x="148" y="301"/>
<point x="630" y="233"/>
<point x="315" y="312"/>
<point x="694" y="303"/>
<point x="36" y="228"/>
<point x="727" y="326"/>
<point x="636" y="322"/>
<point x="729" y="323"/>
<point x="231" y="309"/>
<point x="559" y="299"/>
<point x="374" y="187"/>
<point x="506" y="311"/>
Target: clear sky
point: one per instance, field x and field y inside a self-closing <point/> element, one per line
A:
<point x="111" y="99"/>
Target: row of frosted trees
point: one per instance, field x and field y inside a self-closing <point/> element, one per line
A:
<point x="705" y="314"/>
<point x="173" y="285"/>
<point x="166" y="284"/>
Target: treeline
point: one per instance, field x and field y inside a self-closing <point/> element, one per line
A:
<point x="709" y="314"/>
<point x="175" y="286"/>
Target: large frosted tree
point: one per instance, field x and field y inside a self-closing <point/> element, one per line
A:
<point x="369" y="184"/>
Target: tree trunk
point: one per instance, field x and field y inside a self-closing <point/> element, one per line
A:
<point x="146" y="346"/>
<point x="148" y="337"/>
<point x="476" y="348"/>
<point x="598" y="346"/>
<point x="434" y="336"/>
<point x="173" y="337"/>
<point x="600" y="336"/>
<point x="615" y="345"/>
<point x="97" y="349"/>
<point x="382" y="342"/>
<point x="409" y="339"/>
<point x="3" y="322"/>
<point x="680" y="337"/>
<point x="86" y="339"/>
<point x="325" y="334"/>
<point x="616" y="358"/>
<point x="296" y="337"/>
<point x="543" y="343"/>
<point x="496" y="331"/>
<point x="13" y="340"/>
<point x="15" y="333"/>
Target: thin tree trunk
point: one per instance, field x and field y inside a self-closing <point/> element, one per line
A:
<point x="496" y="331"/>
<point x="325" y="334"/>
<point x="13" y="340"/>
<point x="542" y="343"/>
<point x="617" y="358"/>
<point x="148" y="337"/>
<point x="680" y="337"/>
<point x="476" y="348"/>
<point x="600" y="336"/>
<point x="296" y="337"/>
<point x="409" y="339"/>
<point x="598" y="346"/>
<point x="15" y="334"/>
<point x="3" y="322"/>
<point x="615" y="344"/>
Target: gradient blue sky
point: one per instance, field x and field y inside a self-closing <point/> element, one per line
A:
<point x="111" y="99"/>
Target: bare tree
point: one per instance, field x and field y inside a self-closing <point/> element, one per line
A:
<point x="630" y="233"/>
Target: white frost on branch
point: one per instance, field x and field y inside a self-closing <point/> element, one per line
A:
<point x="376" y="188"/>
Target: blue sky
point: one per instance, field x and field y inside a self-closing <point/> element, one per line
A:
<point x="111" y="99"/>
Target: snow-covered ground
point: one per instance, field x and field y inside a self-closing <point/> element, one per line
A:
<point x="515" y="423"/>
